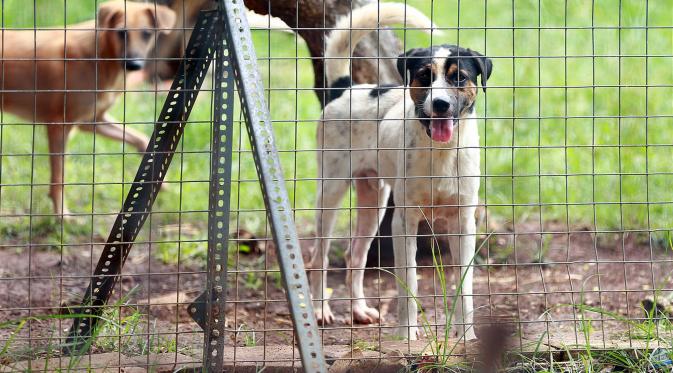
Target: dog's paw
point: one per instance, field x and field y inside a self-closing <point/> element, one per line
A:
<point x="365" y="315"/>
<point x="323" y="314"/>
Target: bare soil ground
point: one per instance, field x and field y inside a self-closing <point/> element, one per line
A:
<point x="612" y="271"/>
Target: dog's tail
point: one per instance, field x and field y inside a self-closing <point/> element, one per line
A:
<point x="349" y="30"/>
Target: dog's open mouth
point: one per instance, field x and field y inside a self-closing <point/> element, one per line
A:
<point x="441" y="129"/>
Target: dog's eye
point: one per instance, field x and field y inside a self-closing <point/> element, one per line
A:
<point x="146" y="35"/>
<point x="121" y="34"/>
<point x="460" y="80"/>
<point x="424" y="76"/>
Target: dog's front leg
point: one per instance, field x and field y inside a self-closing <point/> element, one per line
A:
<point x="462" y="243"/>
<point x="57" y="136"/>
<point x="111" y="128"/>
<point x="404" y="229"/>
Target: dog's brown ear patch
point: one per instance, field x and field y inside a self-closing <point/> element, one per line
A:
<point x="110" y="16"/>
<point x="163" y="18"/>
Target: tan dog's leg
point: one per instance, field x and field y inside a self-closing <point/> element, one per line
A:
<point x="57" y="135"/>
<point x="111" y="128"/>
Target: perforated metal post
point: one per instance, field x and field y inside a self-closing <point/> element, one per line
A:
<point x="151" y="172"/>
<point x="218" y="218"/>
<point x="223" y="32"/>
<point x="269" y="170"/>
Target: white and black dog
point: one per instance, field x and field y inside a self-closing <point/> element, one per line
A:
<point x="419" y="141"/>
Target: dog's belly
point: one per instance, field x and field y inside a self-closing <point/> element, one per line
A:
<point x="55" y="105"/>
<point x="351" y="147"/>
<point x="350" y="134"/>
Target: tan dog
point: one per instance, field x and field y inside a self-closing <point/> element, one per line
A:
<point x="66" y="79"/>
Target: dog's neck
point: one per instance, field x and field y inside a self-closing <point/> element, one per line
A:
<point x="93" y="50"/>
<point x="90" y="41"/>
<point x="109" y="63"/>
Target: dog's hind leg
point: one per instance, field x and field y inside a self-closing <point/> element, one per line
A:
<point x="462" y="244"/>
<point x="371" y="203"/>
<point x="57" y="136"/>
<point x="330" y="193"/>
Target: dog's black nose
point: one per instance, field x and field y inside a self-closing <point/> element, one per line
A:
<point x="440" y="106"/>
<point x="133" y="65"/>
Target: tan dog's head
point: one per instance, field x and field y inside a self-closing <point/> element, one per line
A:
<point x="130" y="29"/>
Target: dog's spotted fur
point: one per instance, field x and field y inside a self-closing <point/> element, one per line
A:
<point x="396" y="140"/>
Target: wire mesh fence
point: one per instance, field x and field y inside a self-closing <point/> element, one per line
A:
<point x="567" y="143"/>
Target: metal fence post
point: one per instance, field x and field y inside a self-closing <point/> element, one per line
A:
<point x="151" y="172"/>
<point x="237" y="45"/>
<point x="224" y="33"/>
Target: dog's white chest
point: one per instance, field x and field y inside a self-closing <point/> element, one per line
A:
<point x="431" y="173"/>
<point x="435" y="174"/>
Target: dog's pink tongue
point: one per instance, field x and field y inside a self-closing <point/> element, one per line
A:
<point x="442" y="130"/>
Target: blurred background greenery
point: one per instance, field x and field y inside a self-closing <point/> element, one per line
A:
<point x="577" y="126"/>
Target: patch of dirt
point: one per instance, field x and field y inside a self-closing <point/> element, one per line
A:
<point x="613" y="271"/>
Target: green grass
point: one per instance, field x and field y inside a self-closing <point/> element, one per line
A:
<point x="545" y="158"/>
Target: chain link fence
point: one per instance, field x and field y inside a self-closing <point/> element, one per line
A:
<point x="573" y="211"/>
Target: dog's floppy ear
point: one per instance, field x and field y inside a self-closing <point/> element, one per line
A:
<point x="110" y="16"/>
<point x="485" y="66"/>
<point x="409" y="61"/>
<point x="163" y="17"/>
